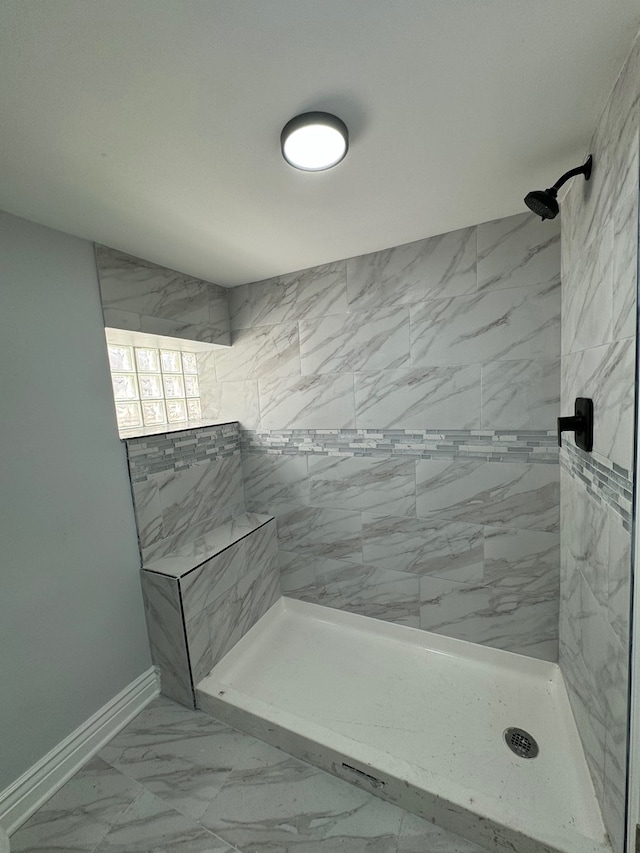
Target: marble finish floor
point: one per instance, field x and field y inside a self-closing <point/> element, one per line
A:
<point x="178" y="781"/>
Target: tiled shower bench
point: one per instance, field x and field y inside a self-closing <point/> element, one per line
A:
<point x="202" y="599"/>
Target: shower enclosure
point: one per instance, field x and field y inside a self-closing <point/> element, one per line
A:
<point x="447" y="573"/>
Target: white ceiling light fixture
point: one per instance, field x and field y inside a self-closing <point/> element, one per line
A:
<point x="314" y="141"/>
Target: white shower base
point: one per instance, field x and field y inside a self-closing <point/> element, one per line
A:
<point x="423" y="716"/>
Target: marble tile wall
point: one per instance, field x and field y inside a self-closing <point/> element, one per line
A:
<point x="183" y="485"/>
<point x="459" y="331"/>
<point x="140" y="296"/>
<point x="438" y="351"/>
<point x="599" y="274"/>
<point x="455" y="543"/>
<point x="196" y="617"/>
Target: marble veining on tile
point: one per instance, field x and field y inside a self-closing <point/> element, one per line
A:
<point x="599" y="270"/>
<point x="313" y="292"/>
<point x="519" y="251"/>
<point x="137" y="294"/>
<point x="416" y="398"/>
<point x="424" y="546"/>
<point x="360" y="483"/>
<point x="321" y="532"/>
<point x="151" y="786"/>
<point x="166" y="636"/>
<point x="519" y="323"/>
<point x="368" y="590"/>
<point x="521" y="394"/>
<point x="519" y="495"/>
<point x="426" y="269"/>
<point x="341" y="343"/>
<point x="265" y="351"/>
<point x="310" y="401"/>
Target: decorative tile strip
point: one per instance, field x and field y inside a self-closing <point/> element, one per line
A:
<point x="607" y="482"/>
<point x="489" y="445"/>
<point x="172" y="451"/>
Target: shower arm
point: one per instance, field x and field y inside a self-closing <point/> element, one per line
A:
<point x="585" y="170"/>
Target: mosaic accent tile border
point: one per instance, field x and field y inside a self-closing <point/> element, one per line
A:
<point x="172" y="451"/>
<point x="607" y="482"/>
<point x="489" y="445"/>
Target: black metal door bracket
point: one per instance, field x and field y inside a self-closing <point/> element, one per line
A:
<point x="581" y="423"/>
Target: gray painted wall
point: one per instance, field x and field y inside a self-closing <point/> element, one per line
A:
<point x="72" y="628"/>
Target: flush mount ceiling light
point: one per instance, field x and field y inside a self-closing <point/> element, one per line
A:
<point x="314" y="141"/>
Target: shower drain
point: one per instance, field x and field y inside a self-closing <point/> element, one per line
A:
<point x="521" y="742"/>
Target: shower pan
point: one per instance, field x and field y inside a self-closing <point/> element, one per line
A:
<point x="418" y="719"/>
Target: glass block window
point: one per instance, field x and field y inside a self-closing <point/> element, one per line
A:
<point x="152" y="387"/>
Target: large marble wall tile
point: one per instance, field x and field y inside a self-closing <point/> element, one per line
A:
<point x="427" y="269"/>
<point x="321" y="532"/>
<point x="262" y="548"/>
<point x="214" y="577"/>
<point x="589" y="716"/>
<point x="219" y="314"/>
<point x="341" y="343"/>
<point x="201" y="491"/>
<point x="619" y="580"/>
<point x="184" y="540"/>
<point x="615" y="689"/>
<point x="274" y="483"/>
<point x="570" y="606"/>
<point x="148" y="512"/>
<point x="496" y="617"/>
<point x="585" y="535"/>
<point x="363" y="483"/>
<point x="238" y="609"/>
<point x="198" y="632"/>
<point x="590" y="202"/>
<point x="587" y="296"/>
<point x="235" y="401"/>
<point x="176" y="329"/>
<point x="520" y="251"/>
<point x="165" y="301"/>
<point x="521" y="394"/>
<point x="625" y="272"/>
<point x="623" y="131"/>
<point x="313" y="292"/>
<point x="606" y="374"/>
<point x="423" y="546"/>
<point x="131" y="284"/>
<point x="239" y="307"/>
<point x="415" y="399"/>
<point x="452" y="608"/>
<point x="369" y="591"/>
<point x="166" y="636"/>
<point x="114" y="319"/>
<point x="265" y="351"/>
<point x="523" y="561"/>
<point x="510" y="324"/>
<point x="513" y="495"/>
<point x="298" y="576"/>
<point x="307" y="402"/>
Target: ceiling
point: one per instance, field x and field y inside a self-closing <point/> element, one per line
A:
<point x="153" y="125"/>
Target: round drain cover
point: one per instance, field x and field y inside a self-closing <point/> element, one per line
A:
<point x="521" y="742"/>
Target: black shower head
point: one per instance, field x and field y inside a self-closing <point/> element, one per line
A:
<point x="545" y="202"/>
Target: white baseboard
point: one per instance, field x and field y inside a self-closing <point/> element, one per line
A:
<point x="22" y="798"/>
